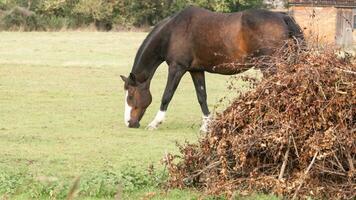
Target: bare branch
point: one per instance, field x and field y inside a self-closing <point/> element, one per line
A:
<point x="303" y="177"/>
<point x="285" y="160"/>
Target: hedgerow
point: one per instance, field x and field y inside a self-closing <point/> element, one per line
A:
<point x="47" y="15"/>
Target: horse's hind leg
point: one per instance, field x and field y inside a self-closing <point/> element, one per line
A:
<point x="200" y="88"/>
<point x="175" y="73"/>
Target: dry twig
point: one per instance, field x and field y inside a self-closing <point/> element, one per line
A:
<point x="304" y="177"/>
<point x="285" y="160"/>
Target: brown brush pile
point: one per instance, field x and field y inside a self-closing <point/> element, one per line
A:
<point x="294" y="135"/>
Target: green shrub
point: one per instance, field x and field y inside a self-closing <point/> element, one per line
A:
<point x="54" y="23"/>
<point x="57" y="14"/>
<point x="10" y="183"/>
<point x="20" y="18"/>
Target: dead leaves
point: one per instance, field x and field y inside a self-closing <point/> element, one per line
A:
<point x="301" y="120"/>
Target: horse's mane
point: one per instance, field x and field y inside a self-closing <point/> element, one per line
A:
<point x="158" y="27"/>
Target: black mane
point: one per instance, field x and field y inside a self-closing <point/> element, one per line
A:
<point x="148" y="38"/>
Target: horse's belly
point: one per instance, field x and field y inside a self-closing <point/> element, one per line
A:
<point x="228" y="68"/>
<point x="221" y="62"/>
<point x="220" y="54"/>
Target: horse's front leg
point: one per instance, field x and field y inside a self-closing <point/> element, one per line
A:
<point x="175" y="73"/>
<point x="200" y="88"/>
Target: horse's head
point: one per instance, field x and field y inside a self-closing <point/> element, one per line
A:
<point x="138" y="98"/>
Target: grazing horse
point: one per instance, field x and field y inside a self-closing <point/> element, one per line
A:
<point x="196" y="40"/>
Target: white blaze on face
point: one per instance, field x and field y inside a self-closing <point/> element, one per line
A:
<point x="127" y="110"/>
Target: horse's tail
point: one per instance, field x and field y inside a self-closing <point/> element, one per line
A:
<point x="294" y="30"/>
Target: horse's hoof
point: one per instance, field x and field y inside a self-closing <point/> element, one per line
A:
<point x="203" y="129"/>
<point x="151" y="128"/>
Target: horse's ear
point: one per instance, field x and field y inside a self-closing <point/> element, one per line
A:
<point x="124" y="78"/>
<point x="132" y="79"/>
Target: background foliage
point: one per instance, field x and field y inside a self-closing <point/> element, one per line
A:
<point x="44" y="15"/>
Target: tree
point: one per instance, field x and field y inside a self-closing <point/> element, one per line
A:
<point x="105" y="13"/>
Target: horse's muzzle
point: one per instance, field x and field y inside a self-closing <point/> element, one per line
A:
<point x="135" y="124"/>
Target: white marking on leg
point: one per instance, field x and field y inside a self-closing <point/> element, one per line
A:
<point x="127" y="110"/>
<point x="160" y="117"/>
<point x="205" y="124"/>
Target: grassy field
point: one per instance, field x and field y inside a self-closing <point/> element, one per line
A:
<point x="61" y="117"/>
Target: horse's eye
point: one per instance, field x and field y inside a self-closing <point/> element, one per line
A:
<point x="130" y="97"/>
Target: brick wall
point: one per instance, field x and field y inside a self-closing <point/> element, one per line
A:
<point x="317" y="22"/>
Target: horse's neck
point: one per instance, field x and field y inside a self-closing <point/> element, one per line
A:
<point x="146" y="67"/>
<point x="150" y="54"/>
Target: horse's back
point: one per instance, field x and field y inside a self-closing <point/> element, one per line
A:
<point x="203" y="39"/>
<point x="196" y="32"/>
<point x="263" y="30"/>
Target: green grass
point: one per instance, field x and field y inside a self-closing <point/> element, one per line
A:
<point x="61" y="116"/>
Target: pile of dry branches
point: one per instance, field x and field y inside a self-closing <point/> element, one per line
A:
<point x="294" y="135"/>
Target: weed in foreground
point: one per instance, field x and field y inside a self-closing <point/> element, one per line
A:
<point x="103" y="184"/>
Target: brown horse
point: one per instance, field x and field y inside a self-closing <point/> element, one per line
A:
<point x="196" y="40"/>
